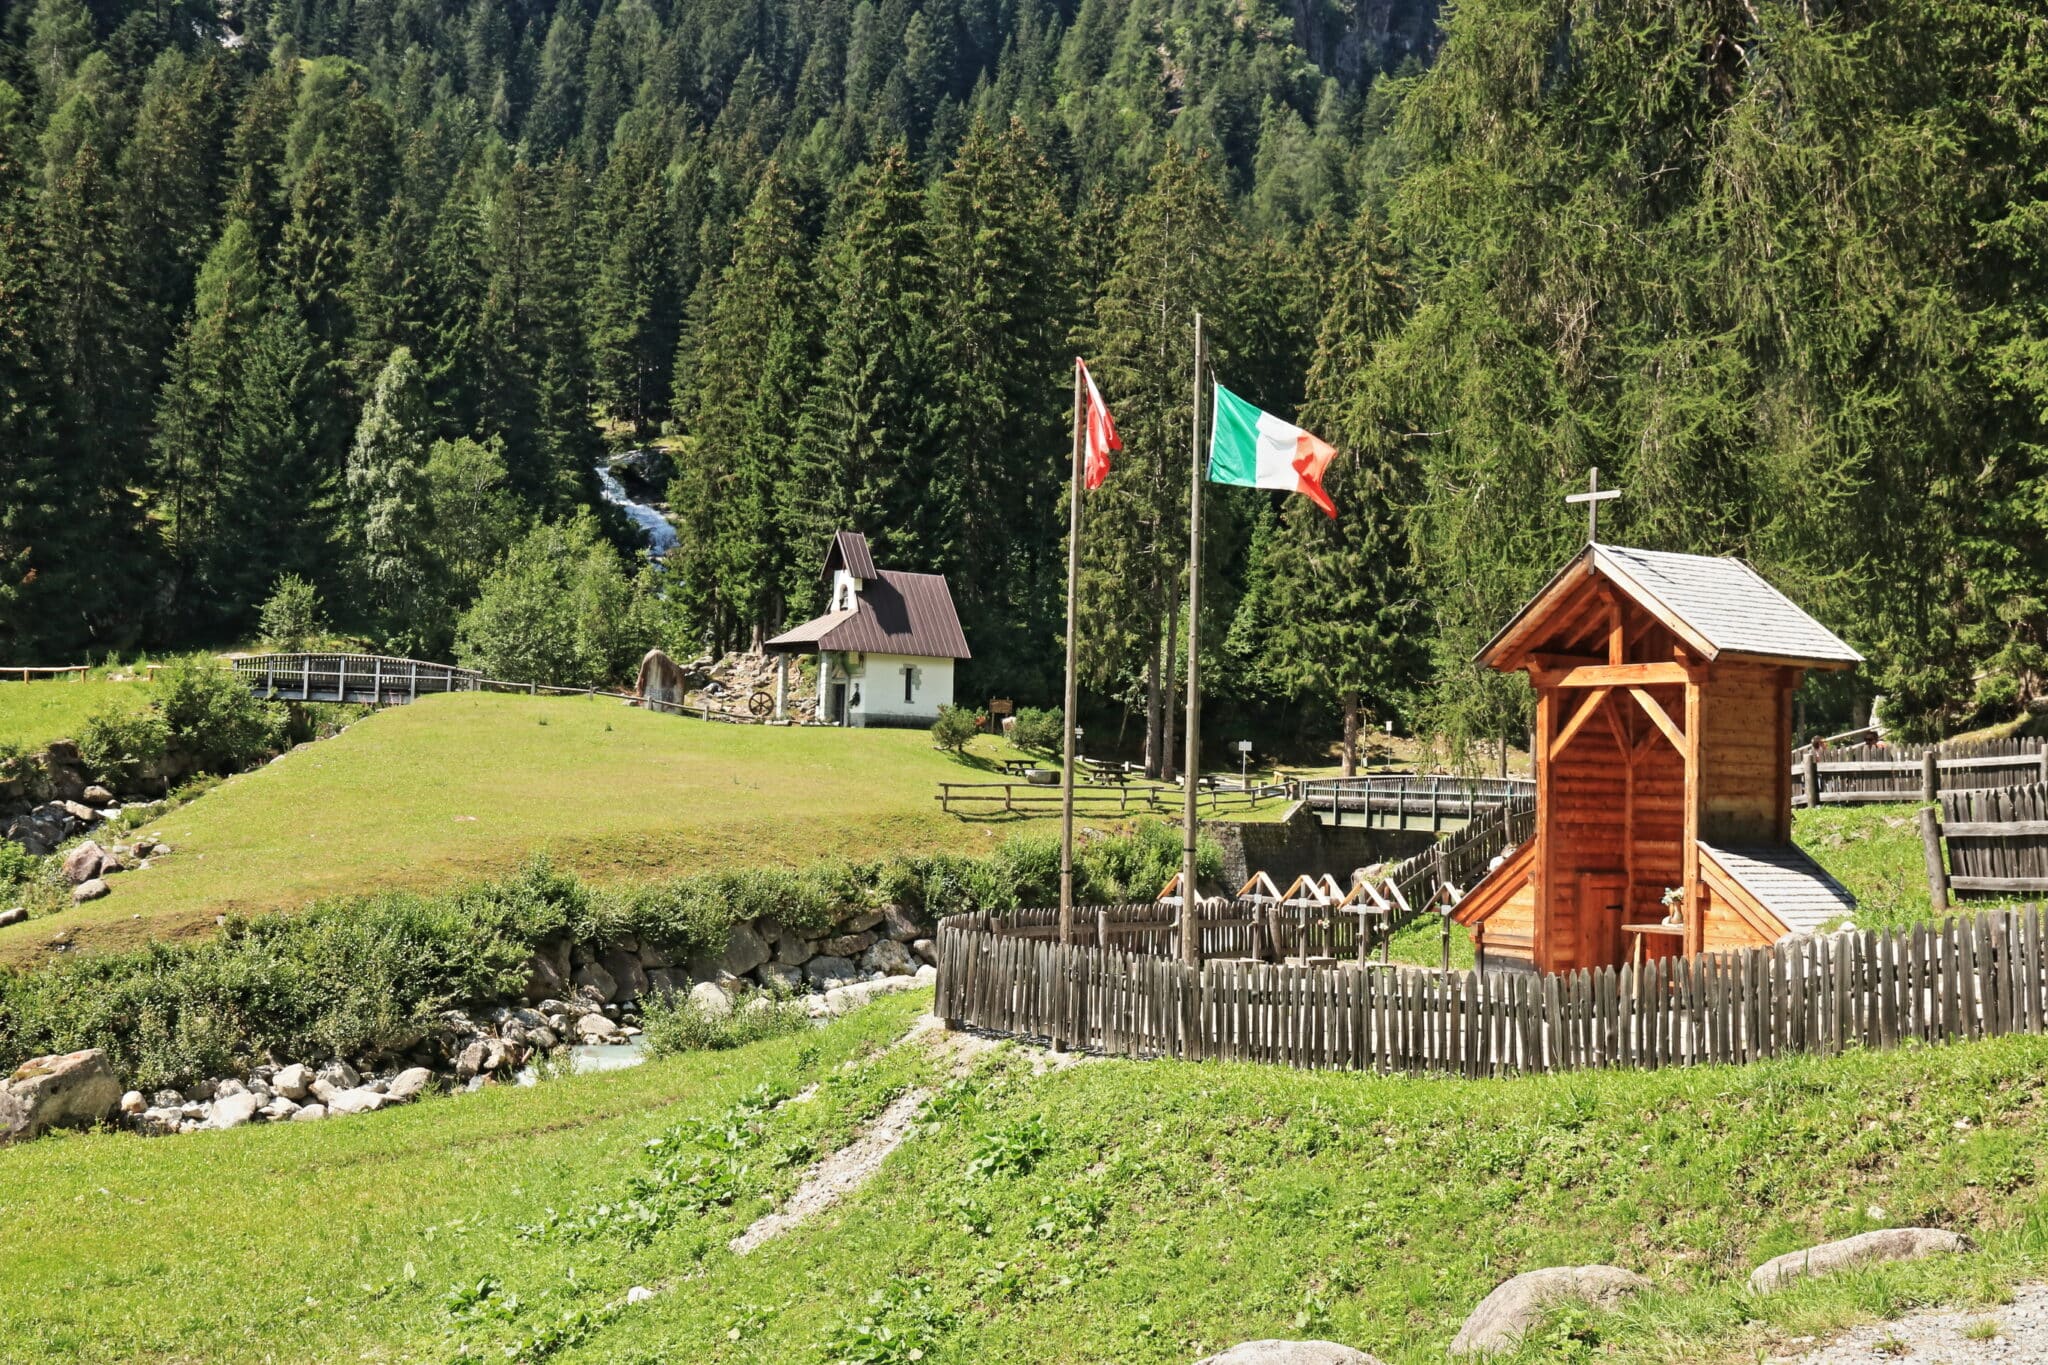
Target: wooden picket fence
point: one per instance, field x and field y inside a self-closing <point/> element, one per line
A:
<point x="1964" y="978"/>
<point x="1997" y="840"/>
<point x="1861" y="773"/>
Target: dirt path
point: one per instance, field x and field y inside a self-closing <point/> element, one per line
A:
<point x="849" y="1168"/>
<point x="2014" y="1333"/>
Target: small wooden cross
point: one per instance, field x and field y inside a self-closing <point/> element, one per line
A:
<point x="1593" y="497"/>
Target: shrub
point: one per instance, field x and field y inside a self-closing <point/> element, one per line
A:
<point x="213" y="721"/>
<point x="559" y="609"/>
<point x="17" y="865"/>
<point x="119" y="745"/>
<point x="1038" y="729"/>
<point x="676" y="1024"/>
<point x="954" y="727"/>
<point x="291" y="616"/>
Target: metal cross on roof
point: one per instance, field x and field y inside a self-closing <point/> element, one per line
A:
<point x="1593" y="497"/>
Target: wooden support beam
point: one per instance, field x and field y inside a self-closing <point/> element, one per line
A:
<point x="1617" y="642"/>
<point x="1591" y="704"/>
<point x="1689" y="850"/>
<point x="1617" y="675"/>
<point x="1656" y="712"/>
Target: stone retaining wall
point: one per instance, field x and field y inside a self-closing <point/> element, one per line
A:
<point x="1300" y="844"/>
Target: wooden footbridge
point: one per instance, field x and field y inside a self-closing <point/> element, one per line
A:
<point x="362" y="679"/>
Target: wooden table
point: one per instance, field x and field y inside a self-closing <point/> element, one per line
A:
<point x="1642" y="933"/>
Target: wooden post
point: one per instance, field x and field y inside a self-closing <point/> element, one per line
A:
<point x="1937" y="873"/>
<point x="1689" y="850"/>
<point x="1190" y="934"/>
<point x="1812" y="776"/>
<point x="1930" y="776"/>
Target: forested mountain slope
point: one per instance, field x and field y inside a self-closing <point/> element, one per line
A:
<point x="359" y="290"/>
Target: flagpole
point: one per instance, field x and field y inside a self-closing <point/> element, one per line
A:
<point x="1067" y="711"/>
<point x="1190" y="915"/>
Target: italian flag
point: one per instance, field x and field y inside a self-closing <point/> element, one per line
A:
<point x="1255" y="449"/>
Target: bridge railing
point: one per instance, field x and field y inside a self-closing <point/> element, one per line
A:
<point x="368" y="678"/>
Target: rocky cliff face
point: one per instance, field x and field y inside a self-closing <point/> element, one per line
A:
<point x="1357" y="39"/>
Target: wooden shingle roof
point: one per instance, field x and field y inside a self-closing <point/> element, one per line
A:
<point x="1787" y="883"/>
<point x="1718" y="606"/>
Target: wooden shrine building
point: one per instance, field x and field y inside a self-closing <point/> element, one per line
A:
<point x="1662" y="748"/>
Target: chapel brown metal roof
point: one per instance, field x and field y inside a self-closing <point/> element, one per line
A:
<point x="849" y="551"/>
<point x="894" y="613"/>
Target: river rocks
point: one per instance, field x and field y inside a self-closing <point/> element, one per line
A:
<point x="888" y="957"/>
<point x="593" y="980"/>
<point x="69" y="1090"/>
<point x="629" y="978"/>
<point x="1518" y="1304"/>
<point x="1886" y="1244"/>
<point x="310" y="1113"/>
<point x="82" y="864"/>
<point x="292" y="1081"/>
<point x="711" y="998"/>
<point x="90" y="890"/>
<point x="341" y="1075"/>
<point x="1289" y="1353"/>
<point x="926" y="950"/>
<point x="361" y="1100"/>
<point x="409" y="1085"/>
<point x="232" y="1111"/>
<point x="744" y="950"/>
<point x="848" y="946"/>
<point x="133" y="1104"/>
<point x="594" y="1028"/>
<point x="780" y="978"/>
<point x="826" y="972"/>
<point x="96" y="795"/>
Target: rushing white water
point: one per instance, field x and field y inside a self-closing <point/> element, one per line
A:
<point x="661" y="537"/>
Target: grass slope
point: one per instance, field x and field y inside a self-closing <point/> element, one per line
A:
<point x="32" y="714"/>
<point x="1141" y="1212"/>
<point x="453" y="789"/>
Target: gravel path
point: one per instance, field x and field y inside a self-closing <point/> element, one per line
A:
<point x="1943" y="1337"/>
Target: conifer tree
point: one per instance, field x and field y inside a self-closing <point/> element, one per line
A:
<point x="387" y="487"/>
<point x="634" y="300"/>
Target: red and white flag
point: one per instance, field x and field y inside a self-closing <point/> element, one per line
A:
<point x="1100" y="428"/>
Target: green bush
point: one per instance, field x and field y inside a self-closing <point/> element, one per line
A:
<point x="17" y="866"/>
<point x="560" y="608"/>
<point x="1038" y="729"/>
<point x="954" y="727"/>
<point x="119" y="744"/>
<point x="291" y="615"/>
<point x="676" y="1024"/>
<point x="214" y="723"/>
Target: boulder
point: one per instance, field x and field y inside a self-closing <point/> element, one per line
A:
<point x="279" y="1109"/>
<point x="82" y="864"/>
<point x="841" y="999"/>
<point x="13" y="916"/>
<point x="711" y="999"/>
<point x="1271" y="1352"/>
<point x="79" y="811"/>
<point x="825" y="972"/>
<point x="547" y="972"/>
<point x="780" y="978"/>
<point x="927" y="975"/>
<point x="860" y="921"/>
<point x="744" y="950"/>
<point x="474" y="1059"/>
<point x="133" y="1104"/>
<point x="591" y="977"/>
<point x="653" y="958"/>
<point x="900" y="924"/>
<point x="360" y="1100"/>
<point x="926" y="950"/>
<point x="1886" y="1244"/>
<point x="665" y="981"/>
<point x="68" y="1090"/>
<point x="340" y="1074"/>
<point x="409" y="1085"/>
<point x="628" y="976"/>
<point x="888" y="957"/>
<point x="232" y="1111"/>
<point x="1518" y="1304"/>
<point x="90" y="890"/>
<point x="293" y="1081"/>
<point x="159" y="1120"/>
<point x="793" y="949"/>
<point x="847" y="945"/>
<point x="595" y="1028"/>
<point x="308" y="1113"/>
<point x="96" y="795"/>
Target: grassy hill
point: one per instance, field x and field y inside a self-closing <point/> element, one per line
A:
<point x="1116" y="1211"/>
<point x="456" y="788"/>
<point x="32" y="714"/>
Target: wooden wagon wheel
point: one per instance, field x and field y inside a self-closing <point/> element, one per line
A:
<point x="761" y="704"/>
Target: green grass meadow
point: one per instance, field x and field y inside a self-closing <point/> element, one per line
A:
<point x="34" y="713"/>
<point x="1111" y="1212"/>
<point x="455" y="789"/>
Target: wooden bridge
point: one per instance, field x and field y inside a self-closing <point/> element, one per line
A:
<point x="363" y="679"/>
<point x="1390" y="799"/>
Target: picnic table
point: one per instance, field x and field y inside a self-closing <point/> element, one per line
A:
<point x="1018" y="767"/>
<point x="1109" y="773"/>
